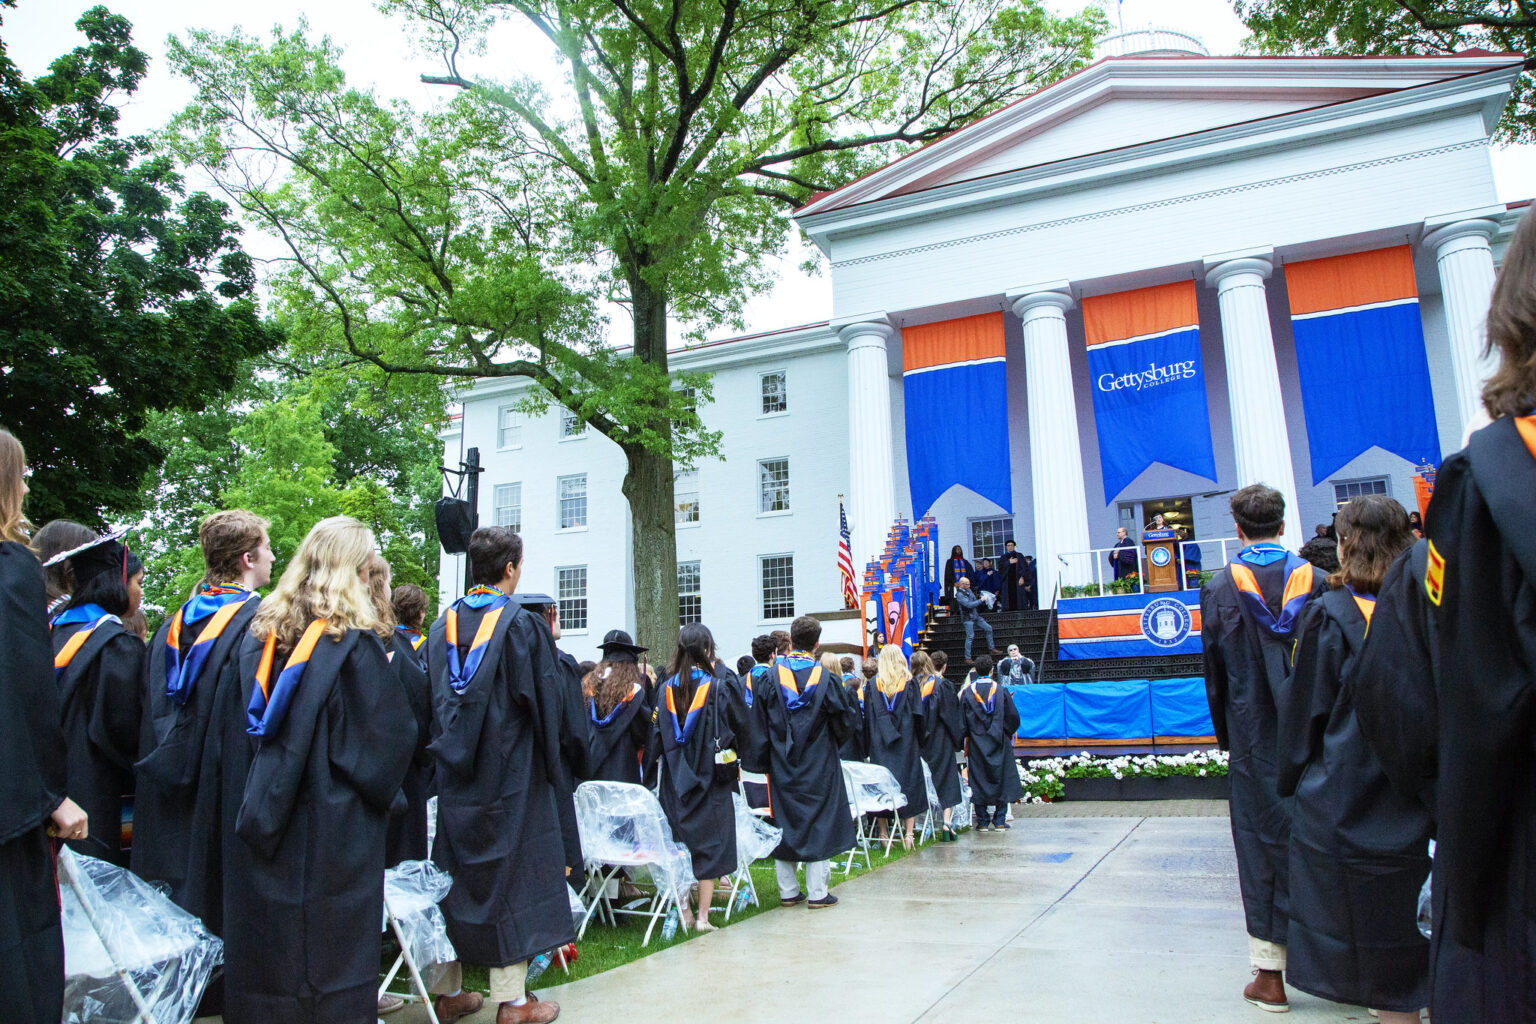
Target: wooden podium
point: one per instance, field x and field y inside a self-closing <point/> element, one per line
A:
<point x="1160" y="561"/>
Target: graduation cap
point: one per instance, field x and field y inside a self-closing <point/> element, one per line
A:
<point x="533" y="602"/>
<point x="95" y="558"/>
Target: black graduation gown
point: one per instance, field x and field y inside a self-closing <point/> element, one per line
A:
<point x="1482" y="525"/>
<point x="1012" y="575"/>
<point x="102" y="693"/>
<point x="616" y="743"/>
<point x="856" y="746"/>
<point x="943" y="734"/>
<point x="894" y="733"/>
<point x="406" y="836"/>
<point x="304" y="883"/>
<point x="798" y="749"/>
<point x="497" y="751"/>
<point x="699" y="809"/>
<point x="1245" y="670"/>
<point x="953" y="569"/>
<point x="173" y="738"/>
<point x="994" y="773"/>
<point x="1359" y="848"/>
<point x="32" y="785"/>
<point x="1029" y="588"/>
<point x="575" y="739"/>
<point x="1122" y="559"/>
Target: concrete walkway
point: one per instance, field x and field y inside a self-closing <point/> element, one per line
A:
<point x="1114" y="918"/>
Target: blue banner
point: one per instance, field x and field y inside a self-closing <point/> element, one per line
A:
<point x="1148" y="382"/>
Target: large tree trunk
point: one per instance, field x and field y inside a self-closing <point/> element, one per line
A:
<point x="648" y="486"/>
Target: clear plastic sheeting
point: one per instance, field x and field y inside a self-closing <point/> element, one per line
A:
<point x="1426" y="899"/>
<point x="412" y="891"/>
<point x="130" y="954"/>
<point x="578" y="908"/>
<point x="755" y="838"/>
<point x="874" y="787"/>
<point x="622" y="823"/>
<point x="961" y="816"/>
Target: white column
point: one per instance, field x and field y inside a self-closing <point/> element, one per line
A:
<point x="1055" y="450"/>
<point x="1465" y="258"/>
<point x="871" y="479"/>
<point x="1260" y="439"/>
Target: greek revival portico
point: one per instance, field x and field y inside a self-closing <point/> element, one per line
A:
<point x="1139" y="172"/>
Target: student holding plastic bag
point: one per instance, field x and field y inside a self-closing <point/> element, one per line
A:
<point x="32" y="799"/>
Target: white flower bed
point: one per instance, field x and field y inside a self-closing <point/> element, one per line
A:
<point x="1044" y="778"/>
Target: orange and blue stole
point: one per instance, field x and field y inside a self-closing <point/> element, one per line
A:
<point x="91" y="613"/>
<point x="270" y="700"/>
<point x="1298" y="588"/>
<point x="223" y="603"/>
<point x="683" y="725"/>
<point x="461" y="673"/>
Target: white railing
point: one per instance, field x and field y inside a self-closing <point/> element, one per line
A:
<point x="1093" y="565"/>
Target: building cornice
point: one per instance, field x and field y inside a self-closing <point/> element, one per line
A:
<point x="1329" y="79"/>
<point x="1145" y="160"/>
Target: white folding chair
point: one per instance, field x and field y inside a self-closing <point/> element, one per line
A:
<point x="606" y="810"/>
<point x="405" y="958"/>
<point x="755" y="838"/>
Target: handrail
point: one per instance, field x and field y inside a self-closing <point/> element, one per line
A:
<point x="1099" y="558"/>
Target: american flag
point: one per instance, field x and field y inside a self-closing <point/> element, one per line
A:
<point x="845" y="559"/>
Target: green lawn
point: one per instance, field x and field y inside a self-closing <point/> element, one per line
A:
<point x="604" y="948"/>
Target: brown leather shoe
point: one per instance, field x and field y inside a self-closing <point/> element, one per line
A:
<point x="451" y="1008"/>
<point x="534" y="1011"/>
<point x="1267" y="992"/>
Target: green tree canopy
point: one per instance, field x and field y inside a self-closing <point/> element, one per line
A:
<point x="477" y="238"/>
<point x="1368" y="27"/>
<point x="119" y="293"/>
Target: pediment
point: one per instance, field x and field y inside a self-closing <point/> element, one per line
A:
<point x="1121" y="103"/>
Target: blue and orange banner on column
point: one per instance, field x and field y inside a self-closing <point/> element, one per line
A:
<point x="1360" y="358"/>
<point x="1148" y="383"/>
<point x="954" y="377"/>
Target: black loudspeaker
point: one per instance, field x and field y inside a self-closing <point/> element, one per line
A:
<point x="455" y="522"/>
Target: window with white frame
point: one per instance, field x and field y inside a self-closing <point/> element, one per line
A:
<point x="571" y="596"/>
<point x="989" y="535"/>
<point x="507" y="500"/>
<point x="1343" y="492"/>
<point x="690" y="398"/>
<point x="773" y="485"/>
<point x="573" y="501"/>
<point x="777" y="573"/>
<point x="685" y="497"/>
<point x="775" y="392"/>
<point x="509" y="428"/>
<point x="690" y="603"/>
<point x="571" y="425"/>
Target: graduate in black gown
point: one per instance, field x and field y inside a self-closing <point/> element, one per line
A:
<point x="853" y="748"/>
<point x="32" y="800"/>
<point x="409" y="603"/>
<point x="331" y="733"/>
<point x="802" y="718"/>
<point x="575" y="732"/>
<point x="943" y="734"/>
<point x="406" y="836"/>
<point x="1249" y="612"/>
<point x="955" y="567"/>
<point x="100" y="669"/>
<point x="1029" y="588"/>
<point x="894" y="732"/>
<point x="700" y="721"/>
<point x="1359" y="847"/>
<point x="187" y="658"/>
<point x="1011" y="573"/>
<point x="497" y="709"/>
<point x="991" y="720"/>
<point x="618" y="712"/>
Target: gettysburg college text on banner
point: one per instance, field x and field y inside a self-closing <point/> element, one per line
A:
<point x="1148" y="383"/>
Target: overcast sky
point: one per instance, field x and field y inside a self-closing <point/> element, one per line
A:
<point x="379" y="54"/>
